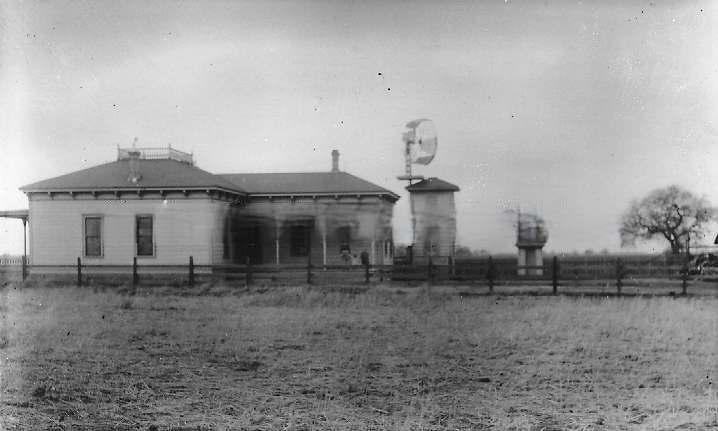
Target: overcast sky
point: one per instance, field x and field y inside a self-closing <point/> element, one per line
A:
<point x="567" y="108"/>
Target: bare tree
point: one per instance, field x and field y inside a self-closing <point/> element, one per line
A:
<point x="672" y="213"/>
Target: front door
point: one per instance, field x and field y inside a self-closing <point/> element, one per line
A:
<point x="248" y="243"/>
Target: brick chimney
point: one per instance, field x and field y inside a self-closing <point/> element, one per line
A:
<point x="335" y="161"/>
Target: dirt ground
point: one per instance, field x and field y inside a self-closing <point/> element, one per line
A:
<point x="347" y="359"/>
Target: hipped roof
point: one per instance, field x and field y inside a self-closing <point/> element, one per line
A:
<point x="433" y="184"/>
<point x="155" y="174"/>
<point x="171" y="174"/>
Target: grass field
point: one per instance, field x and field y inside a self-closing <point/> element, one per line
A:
<point x="386" y="358"/>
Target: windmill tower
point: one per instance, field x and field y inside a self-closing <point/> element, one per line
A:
<point x="433" y="211"/>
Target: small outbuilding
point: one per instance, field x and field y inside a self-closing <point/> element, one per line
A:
<point x="433" y="217"/>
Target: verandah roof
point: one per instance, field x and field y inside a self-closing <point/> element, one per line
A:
<point x="18" y="214"/>
<point x="286" y="183"/>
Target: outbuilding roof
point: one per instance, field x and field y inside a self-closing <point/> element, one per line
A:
<point x="154" y="174"/>
<point x="433" y="184"/>
<point x="305" y="183"/>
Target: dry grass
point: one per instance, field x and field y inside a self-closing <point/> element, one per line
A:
<point x="300" y="359"/>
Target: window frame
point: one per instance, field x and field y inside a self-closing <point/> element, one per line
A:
<point x="101" y="218"/>
<point x="344" y="236"/>
<point x="137" y="236"/>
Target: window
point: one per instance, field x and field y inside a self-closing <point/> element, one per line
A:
<point x="93" y="236"/>
<point x="344" y="236"/>
<point x="143" y="236"/>
<point x="299" y="240"/>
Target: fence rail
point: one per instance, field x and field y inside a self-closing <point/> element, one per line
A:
<point x="489" y="271"/>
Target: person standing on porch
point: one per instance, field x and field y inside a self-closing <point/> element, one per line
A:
<point x="346" y="253"/>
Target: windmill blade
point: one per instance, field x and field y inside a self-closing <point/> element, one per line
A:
<point x="426" y="141"/>
<point x="427" y="151"/>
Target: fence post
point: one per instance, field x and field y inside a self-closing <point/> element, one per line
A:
<point x="619" y="275"/>
<point x="684" y="278"/>
<point x="79" y="272"/>
<point x="248" y="271"/>
<point x="191" y="271"/>
<point x="490" y="274"/>
<point x="135" y="276"/>
<point x="366" y="272"/>
<point x="555" y="275"/>
<point x="430" y="271"/>
<point x="24" y="267"/>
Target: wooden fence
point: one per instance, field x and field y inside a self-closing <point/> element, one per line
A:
<point x="190" y="274"/>
<point x="556" y="272"/>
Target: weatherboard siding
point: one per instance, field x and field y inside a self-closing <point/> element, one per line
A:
<point x="182" y="227"/>
<point x="434" y="211"/>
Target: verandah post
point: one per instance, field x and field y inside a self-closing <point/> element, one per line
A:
<point x="191" y="271"/>
<point x="24" y="267"/>
<point x="555" y="275"/>
<point x="79" y="272"/>
<point x="309" y="256"/>
<point x="24" y="248"/>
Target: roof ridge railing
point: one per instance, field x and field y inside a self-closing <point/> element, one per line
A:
<point x="156" y="153"/>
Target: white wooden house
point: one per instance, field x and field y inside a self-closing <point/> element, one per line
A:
<point x="157" y="206"/>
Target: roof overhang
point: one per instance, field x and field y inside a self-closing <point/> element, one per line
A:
<point x="386" y="195"/>
<point x="135" y="190"/>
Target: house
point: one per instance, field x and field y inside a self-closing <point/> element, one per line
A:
<point x="156" y="205"/>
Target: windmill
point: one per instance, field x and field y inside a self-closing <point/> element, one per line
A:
<point x="420" y="143"/>
<point x="433" y="212"/>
